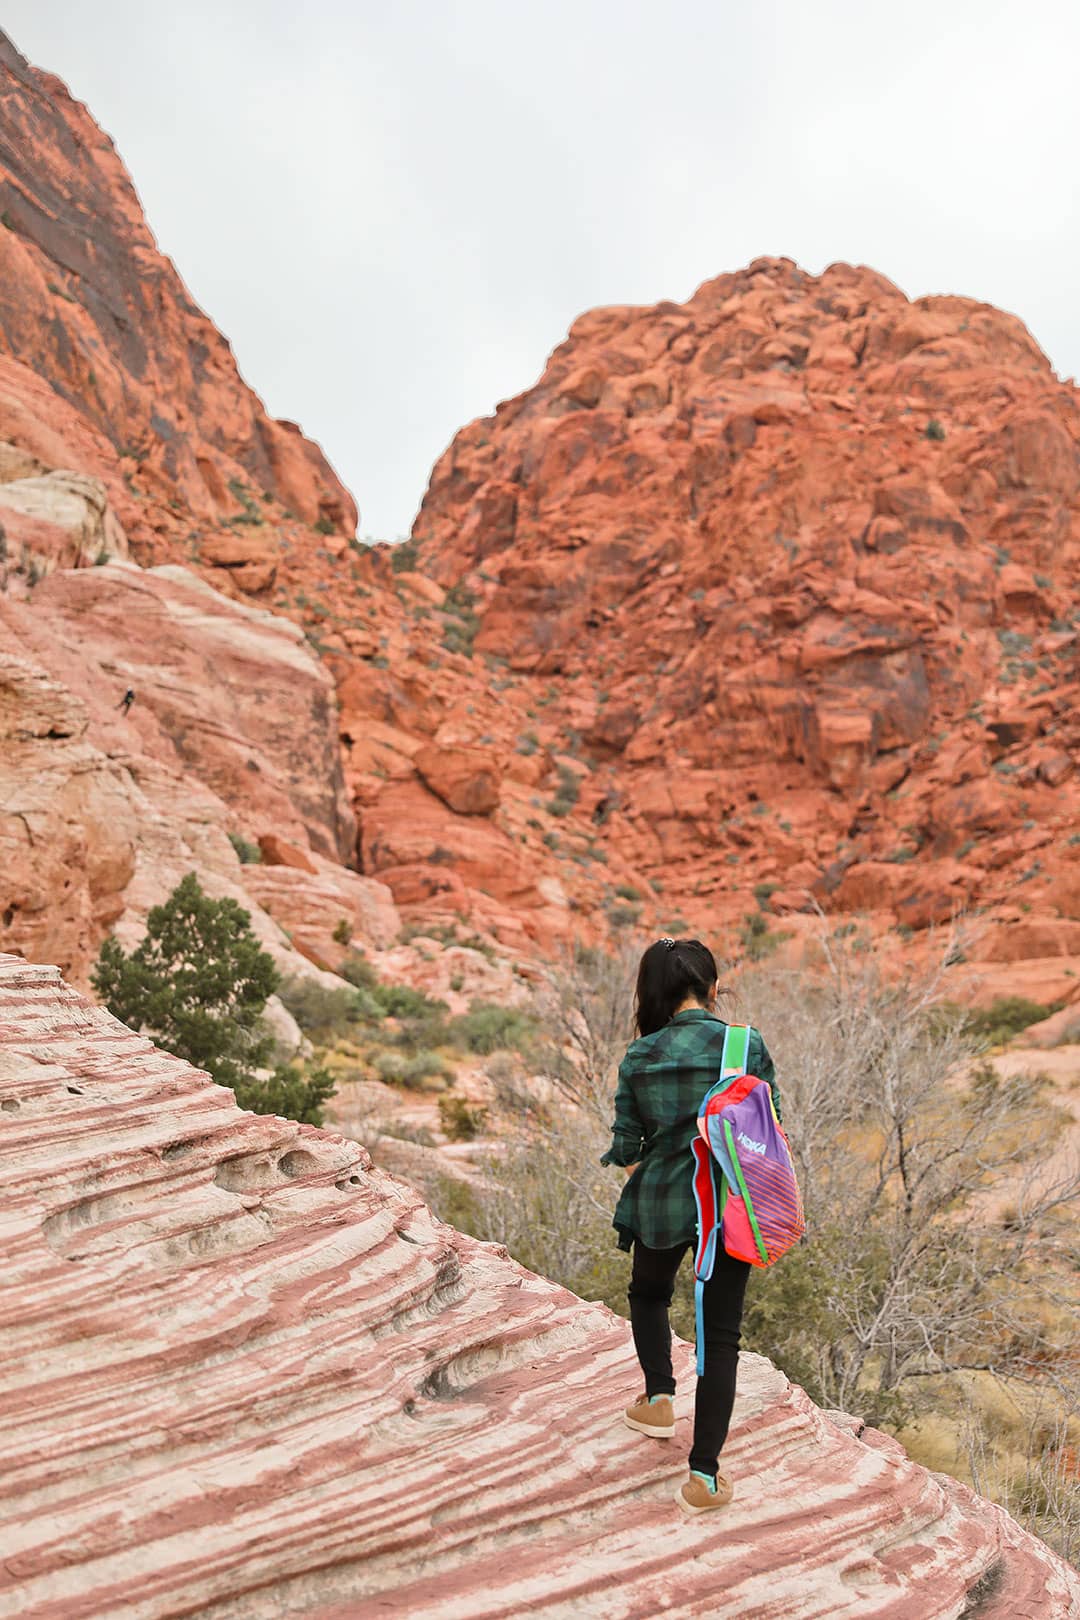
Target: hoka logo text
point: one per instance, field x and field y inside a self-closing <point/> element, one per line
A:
<point x="749" y="1143"/>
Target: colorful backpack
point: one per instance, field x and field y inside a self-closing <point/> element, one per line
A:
<point x="758" y="1211"/>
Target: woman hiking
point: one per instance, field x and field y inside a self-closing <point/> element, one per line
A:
<point x="662" y="1081"/>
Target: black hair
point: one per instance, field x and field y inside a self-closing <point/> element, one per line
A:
<point x="671" y="970"/>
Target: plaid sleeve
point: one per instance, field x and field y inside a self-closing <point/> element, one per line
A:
<point x="627" y="1131"/>
<point x="760" y="1063"/>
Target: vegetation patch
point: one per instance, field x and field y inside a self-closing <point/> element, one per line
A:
<point x="247" y="853"/>
<point x="198" y="984"/>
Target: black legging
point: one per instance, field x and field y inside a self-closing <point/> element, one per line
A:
<point x="652" y="1284"/>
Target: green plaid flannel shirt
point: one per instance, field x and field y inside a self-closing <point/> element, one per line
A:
<point x="662" y="1079"/>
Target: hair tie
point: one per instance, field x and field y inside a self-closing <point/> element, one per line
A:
<point x="670" y="943"/>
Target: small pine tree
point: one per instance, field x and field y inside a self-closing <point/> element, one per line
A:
<point x="290" y="1092"/>
<point x="197" y="984"/>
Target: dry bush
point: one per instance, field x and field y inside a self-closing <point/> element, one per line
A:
<point x="903" y="1145"/>
<point x="1038" y="1482"/>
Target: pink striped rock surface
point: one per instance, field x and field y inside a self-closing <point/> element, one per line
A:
<point x="245" y="1375"/>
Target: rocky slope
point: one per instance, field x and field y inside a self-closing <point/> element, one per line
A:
<point x="245" y="1373"/>
<point x="803" y="558"/>
<point x="88" y="301"/>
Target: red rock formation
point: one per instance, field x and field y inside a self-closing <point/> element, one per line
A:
<point x="90" y="304"/>
<point x="803" y="557"/>
<point x="771" y="593"/>
<point x="242" y="1366"/>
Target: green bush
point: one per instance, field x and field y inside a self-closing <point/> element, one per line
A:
<point x="290" y="1092"/>
<point x="1006" y="1017"/>
<point x="756" y="938"/>
<point x="566" y="794"/>
<point x="412" y="1069"/>
<point x="934" y="431"/>
<point x="422" y="1019"/>
<point x="490" y="1027"/>
<point x="197" y="984"/>
<point x="460" y="1122"/>
<point x="322" y="1010"/>
<point x="462" y="623"/>
<point x="342" y="931"/>
<point x="248" y="854"/>
<point x="359" y="972"/>
<point x="404" y="556"/>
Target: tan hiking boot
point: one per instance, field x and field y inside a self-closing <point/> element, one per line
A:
<point x="696" y="1497"/>
<point x="655" y="1417"/>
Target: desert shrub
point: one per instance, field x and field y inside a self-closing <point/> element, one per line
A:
<point x="197" y="983"/>
<point x="422" y="1019"/>
<point x="1006" y="1017"/>
<point x="490" y="1027"/>
<point x="359" y="972"/>
<point x="626" y="891"/>
<point x="342" y="931"/>
<point x="247" y="853"/>
<point x="323" y="1010"/>
<point x="460" y="1122"/>
<point x="934" y="431"/>
<point x="462" y="622"/>
<point x="402" y="1131"/>
<point x="756" y="937"/>
<point x="404" y="556"/>
<point x="412" y="1069"/>
<point x="291" y="1091"/>
<point x="566" y="794"/>
<point x="898" y="1141"/>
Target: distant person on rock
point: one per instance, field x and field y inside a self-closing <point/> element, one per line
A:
<point x="127" y="700"/>
<point x="662" y="1082"/>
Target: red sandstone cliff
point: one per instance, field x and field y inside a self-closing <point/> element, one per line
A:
<point x="803" y="558"/>
<point x="88" y="302"/>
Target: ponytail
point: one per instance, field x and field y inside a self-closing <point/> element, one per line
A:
<point x="671" y="970"/>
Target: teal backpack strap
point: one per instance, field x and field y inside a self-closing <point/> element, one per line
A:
<point x="699" y="1325"/>
<point x="736" y="1050"/>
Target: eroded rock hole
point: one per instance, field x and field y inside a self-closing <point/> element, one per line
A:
<point x="298" y="1162"/>
<point x="76" y="1091"/>
<point x="176" y="1150"/>
<point x="245" y="1174"/>
<point x="9" y="1105"/>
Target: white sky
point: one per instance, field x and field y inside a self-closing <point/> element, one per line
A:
<point x="395" y="208"/>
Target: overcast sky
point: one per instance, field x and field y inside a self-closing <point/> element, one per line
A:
<point x="395" y="208"/>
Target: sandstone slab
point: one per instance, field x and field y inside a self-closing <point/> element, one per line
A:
<point x="227" y="1339"/>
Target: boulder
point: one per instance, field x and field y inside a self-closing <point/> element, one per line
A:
<point x="327" y="912"/>
<point x="463" y="778"/>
